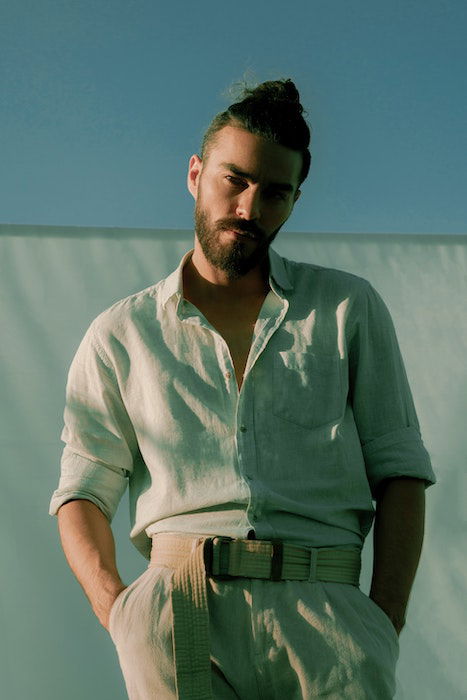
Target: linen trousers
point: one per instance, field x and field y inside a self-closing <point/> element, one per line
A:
<point x="269" y="640"/>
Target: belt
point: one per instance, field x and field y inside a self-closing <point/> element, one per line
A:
<point x="193" y="557"/>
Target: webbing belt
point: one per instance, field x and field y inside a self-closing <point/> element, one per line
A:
<point x="193" y="557"/>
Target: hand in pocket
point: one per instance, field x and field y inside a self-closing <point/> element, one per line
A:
<point x="105" y="604"/>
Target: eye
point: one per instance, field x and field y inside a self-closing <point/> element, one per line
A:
<point x="278" y="194"/>
<point x="234" y="180"/>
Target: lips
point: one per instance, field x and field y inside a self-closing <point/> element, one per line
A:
<point x="241" y="233"/>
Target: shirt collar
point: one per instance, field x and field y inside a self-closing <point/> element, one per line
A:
<point x="278" y="271"/>
<point x="173" y="284"/>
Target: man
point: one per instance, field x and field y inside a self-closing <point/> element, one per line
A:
<point x="256" y="406"/>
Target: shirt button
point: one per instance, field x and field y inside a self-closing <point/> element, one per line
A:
<point x="228" y="375"/>
<point x="243" y="429"/>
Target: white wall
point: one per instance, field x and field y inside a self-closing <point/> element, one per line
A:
<point x="53" y="282"/>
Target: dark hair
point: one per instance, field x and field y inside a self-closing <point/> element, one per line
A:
<point x="271" y="110"/>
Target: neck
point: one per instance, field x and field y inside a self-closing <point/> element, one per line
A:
<point x="204" y="282"/>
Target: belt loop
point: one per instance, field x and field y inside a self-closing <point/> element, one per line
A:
<point x="313" y="565"/>
<point x="216" y="556"/>
<point x="277" y="559"/>
<point x="224" y="556"/>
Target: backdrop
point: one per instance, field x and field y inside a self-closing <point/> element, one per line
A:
<point x="53" y="282"/>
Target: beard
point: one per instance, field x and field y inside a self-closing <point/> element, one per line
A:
<point x="233" y="256"/>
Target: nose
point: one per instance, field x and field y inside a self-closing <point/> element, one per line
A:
<point x="248" y="204"/>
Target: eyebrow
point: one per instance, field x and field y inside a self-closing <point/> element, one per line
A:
<point x="286" y="186"/>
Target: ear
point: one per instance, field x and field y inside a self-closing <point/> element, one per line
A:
<point x="194" y="171"/>
<point x="297" y="195"/>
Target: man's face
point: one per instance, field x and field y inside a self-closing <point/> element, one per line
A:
<point x="244" y="191"/>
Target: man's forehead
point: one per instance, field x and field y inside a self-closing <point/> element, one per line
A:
<point x="245" y="153"/>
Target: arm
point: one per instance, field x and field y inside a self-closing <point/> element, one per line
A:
<point x="398" y="537"/>
<point x="89" y="547"/>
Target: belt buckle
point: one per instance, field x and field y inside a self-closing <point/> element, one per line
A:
<point x="212" y="560"/>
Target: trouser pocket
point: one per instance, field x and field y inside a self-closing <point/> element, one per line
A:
<point x="136" y="601"/>
<point x="140" y="626"/>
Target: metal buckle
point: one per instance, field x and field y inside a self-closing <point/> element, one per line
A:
<point x="208" y="552"/>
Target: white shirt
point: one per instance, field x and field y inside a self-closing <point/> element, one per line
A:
<point x="324" y="413"/>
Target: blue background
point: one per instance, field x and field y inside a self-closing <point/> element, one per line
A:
<point x="104" y="101"/>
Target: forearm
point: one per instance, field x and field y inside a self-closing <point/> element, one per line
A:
<point x="398" y="538"/>
<point x="89" y="547"/>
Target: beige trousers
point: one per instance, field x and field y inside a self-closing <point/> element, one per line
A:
<point x="268" y="640"/>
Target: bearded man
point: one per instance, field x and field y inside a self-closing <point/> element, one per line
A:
<point x="259" y="410"/>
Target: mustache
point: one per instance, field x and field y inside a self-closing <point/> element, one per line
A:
<point x="241" y="226"/>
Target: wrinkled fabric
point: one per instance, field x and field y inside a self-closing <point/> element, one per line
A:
<point x="324" y="415"/>
<point x="269" y="640"/>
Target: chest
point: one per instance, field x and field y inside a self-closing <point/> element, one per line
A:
<point x="236" y="326"/>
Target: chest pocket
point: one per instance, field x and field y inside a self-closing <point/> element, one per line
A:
<point x="307" y="388"/>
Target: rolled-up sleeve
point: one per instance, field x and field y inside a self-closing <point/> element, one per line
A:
<point x="381" y="398"/>
<point x="100" y="443"/>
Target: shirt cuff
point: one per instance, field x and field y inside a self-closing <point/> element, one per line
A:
<point x="83" y="479"/>
<point x="397" y="454"/>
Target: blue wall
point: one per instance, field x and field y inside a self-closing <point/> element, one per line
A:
<point x="104" y="102"/>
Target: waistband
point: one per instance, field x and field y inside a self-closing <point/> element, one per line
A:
<point x="194" y="557"/>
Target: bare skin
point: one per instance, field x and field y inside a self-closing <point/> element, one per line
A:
<point x="235" y="321"/>
<point x="237" y="331"/>
<point x="398" y="538"/>
<point x="89" y="547"/>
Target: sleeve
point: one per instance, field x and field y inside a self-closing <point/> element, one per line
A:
<point x="100" y="443"/>
<point x="381" y="398"/>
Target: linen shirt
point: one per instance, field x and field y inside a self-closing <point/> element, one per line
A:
<point x="324" y="414"/>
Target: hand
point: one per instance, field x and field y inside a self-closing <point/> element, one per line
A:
<point x="103" y="605"/>
<point x="397" y="622"/>
<point x="395" y="612"/>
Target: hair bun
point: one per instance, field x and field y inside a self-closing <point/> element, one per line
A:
<point x="277" y="90"/>
<point x="273" y="91"/>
